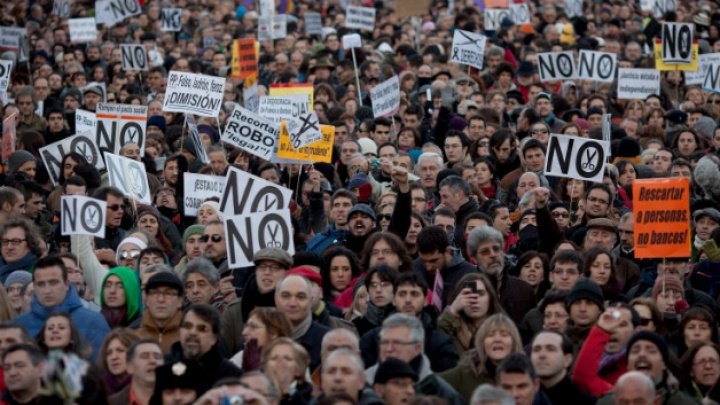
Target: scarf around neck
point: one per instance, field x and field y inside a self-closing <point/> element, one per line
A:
<point x="303" y="327"/>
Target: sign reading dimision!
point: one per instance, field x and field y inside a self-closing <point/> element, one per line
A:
<point x="662" y="217"/>
<point x="194" y="94"/>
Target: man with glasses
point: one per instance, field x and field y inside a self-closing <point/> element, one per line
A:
<point x="161" y="319"/>
<point x="597" y="205"/>
<point x="215" y="247"/>
<point x="114" y="233"/>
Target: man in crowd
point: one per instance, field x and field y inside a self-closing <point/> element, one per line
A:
<point x="142" y="358"/>
<point x="161" y="319"/>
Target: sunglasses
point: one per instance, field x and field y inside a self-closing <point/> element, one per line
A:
<point x="215" y="238"/>
<point x="645" y="321"/>
<point x="116" y="207"/>
<point x="557" y="214"/>
<point x="385" y="217"/>
<point x="129" y="254"/>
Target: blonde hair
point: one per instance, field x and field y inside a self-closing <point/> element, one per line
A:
<point x="302" y="359"/>
<point x="492" y="323"/>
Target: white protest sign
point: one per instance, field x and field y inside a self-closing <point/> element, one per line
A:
<point x="576" y="158"/>
<point x="129" y="176"/>
<point x="252" y="133"/>
<point x="133" y="57"/>
<point x="556" y="66"/>
<point x="294" y="109"/>
<point x="82" y="144"/>
<point x="267" y="7"/>
<point x="573" y="8"/>
<point x="5" y="71"/>
<point x="277" y="30"/>
<point x="308" y="132"/>
<point x="85" y="121"/>
<point x="361" y="18"/>
<point x="606" y="125"/>
<point x="494" y="18"/>
<point x="196" y="140"/>
<point x="251" y="101"/>
<point x="61" y="8"/>
<point x="520" y="13"/>
<point x="245" y="193"/>
<point x="194" y="94"/>
<point x="468" y="48"/>
<point x="80" y="215"/>
<point x="82" y="30"/>
<point x="677" y="43"/>
<point x="647" y="5"/>
<point x="246" y="234"/>
<point x="705" y="60"/>
<point x="170" y="19"/>
<point x="350" y="41"/>
<point x="385" y="97"/>
<point x="119" y="124"/>
<point x="198" y="188"/>
<point x="11" y="38"/>
<point x="637" y="84"/>
<point x="711" y="82"/>
<point x="313" y="23"/>
<point x="663" y="6"/>
<point x="597" y="66"/>
<point x="115" y="11"/>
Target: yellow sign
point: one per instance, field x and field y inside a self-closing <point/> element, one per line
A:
<point x="294" y="88"/>
<point x="316" y="152"/>
<point x="660" y="65"/>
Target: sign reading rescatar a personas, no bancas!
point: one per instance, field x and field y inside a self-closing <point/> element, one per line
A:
<point x="661" y="209"/>
<point x="194" y="94"/>
<point x="246" y="234"/>
<point x="576" y="158"/>
<point x="80" y="215"/>
<point x="468" y="48"/>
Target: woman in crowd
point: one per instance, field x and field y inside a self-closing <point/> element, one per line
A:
<point x="120" y="297"/>
<point x="485" y="177"/>
<point x="600" y="268"/>
<point x="533" y="268"/>
<point x="7" y="313"/>
<point x="148" y="218"/>
<point x="339" y="273"/>
<point x="208" y="211"/>
<point x="112" y="358"/>
<point x="60" y="333"/>
<point x="686" y="143"/>
<point x="15" y="285"/>
<point x="700" y="369"/>
<point x="380" y="281"/>
<point x="697" y="326"/>
<point x="417" y="223"/>
<point x="286" y="362"/>
<point x="264" y="325"/>
<point x="651" y="319"/>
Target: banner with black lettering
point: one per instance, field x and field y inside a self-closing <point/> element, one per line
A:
<point x="711" y="82"/>
<point x="554" y="66"/>
<point x="637" y="84"/>
<point x="272" y="27"/>
<point x="82" y="30"/>
<point x="85" y="121"/>
<point x="361" y="18"/>
<point x="385" y="97"/>
<point x="5" y="71"/>
<point x="468" y="48"/>
<point x="129" y="176"/>
<point x="119" y="124"/>
<point x="248" y="233"/>
<point x="294" y="110"/>
<point x="198" y="188"/>
<point x="494" y="17"/>
<point x="245" y="193"/>
<point x="134" y="57"/>
<point x="170" y="19"/>
<point x="194" y="94"/>
<point x="84" y="144"/>
<point x="61" y="8"/>
<point x="80" y="215"/>
<point x="111" y="12"/>
<point x="576" y="158"/>
<point x="251" y="133"/>
<point x="597" y="66"/>
<point x="705" y="60"/>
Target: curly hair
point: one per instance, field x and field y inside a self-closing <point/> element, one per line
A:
<point x="32" y="233"/>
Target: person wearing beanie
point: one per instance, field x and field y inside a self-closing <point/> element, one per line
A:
<point x="394" y="381"/>
<point x="120" y="297"/>
<point x="585" y="303"/>
<point x="15" y="285"/>
<point x="128" y="251"/>
<point x="22" y="161"/>
<point x="209" y="211"/>
<point x="164" y="293"/>
<point x="157" y="121"/>
<point x="160" y="227"/>
<point x="192" y="246"/>
<point x="669" y="295"/>
<point x="190" y="152"/>
<point x="187" y="377"/>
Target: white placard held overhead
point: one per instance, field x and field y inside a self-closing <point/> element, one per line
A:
<point x="84" y="144"/>
<point x="278" y="29"/>
<point x="133" y="57"/>
<point x="711" y="82"/>
<point x="677" y="43"/>
<point x="468" y="48"/>
<point x="11" y="38"/>
<point x="350" y="41"/>
<point x="576" y="158"/>
<point x="246" y="234"/>
<point x="5" y="71"/>
<point x="385" y="97"/>
<point x="520" y="13"/>
<point x="290" y="108"/>
<point x="120" y="124"/>
<point x="61" y="8"/>
<point x="360" y="18"/>
<point x="494" y="18"/>
<point x="556" y="66"/>
<point x="80" y="215"/>
<point x="170" y="19"/>
<point x="194" y="94"/>
<point x="660" y="7"/>
<point x="245" y="193"/>
<point x="597" y="66"/>
<point x="82" y="30"/>
<point x="705" y="60"/>
<point x="251" y="133"/>
<point x="115" y="11"/>
<point x="251" y="101"/>
<point x="313" y="23"/>
<point x="198" y="188"/>
<point x="129" y="176"/>
<point x="573" y="8"/>
<point x="637" y="84"/>
<point x="85" y="121"/>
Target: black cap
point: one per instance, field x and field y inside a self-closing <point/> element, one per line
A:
<point x="179" y="374"/>
<point x="586" y="289"/>
<point x="167" y="279"/>
<point x="393" y="368"/>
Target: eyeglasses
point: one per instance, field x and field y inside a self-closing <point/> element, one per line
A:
<point x="380" y="284"/>
<point x="597" y="200"/>
<point x="704" y="362"/>
<point x="11" y="242"/>
<point x="199" y="327"/>
<point x="396" y="343"/>
<point x="164" y="293"/>
<point x="645" y="321"/>
<point x="560" y="214"/>
<point x="116" y="207"/>
<point x="384" y="217"/>
<point x="266" y="267"/>
<point x="129" y="254"/>
<point x="215" y="238"/>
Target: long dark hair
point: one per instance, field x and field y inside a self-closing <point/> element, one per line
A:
<point x="76" y="345"/>
<point x="328" y="257"/>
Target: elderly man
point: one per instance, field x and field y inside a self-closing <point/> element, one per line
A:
<point x="202" y="284"/>
<point x="394" y="382"/>
<point x="342" y="374"/>
<point x="635" y="387"/>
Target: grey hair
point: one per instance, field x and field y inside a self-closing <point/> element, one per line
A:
<point x="272" y="389"/>
<point x="417" y="333"/>
<point x="358" y="363"/>
<point x="487" y="394"/>
<point x="637" y="377"/>
<point x="339" y="331"/>
<point x="203" y="267"/>
<point x="495" y="51"/>
<point x="483" y="234"/>
<point x="429" y="155"/>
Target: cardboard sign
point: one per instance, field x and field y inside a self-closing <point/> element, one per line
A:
<point x="313" y="23"/>
<point x="705" y="60"/>
<point x="637" y="84"/>
<point x="350" y="41"/>
<point x="245" y="193"/>
<point x="597" y="66"/>
<point x="576" y="158"/>
<point x="5" y="71"/>
<point x="573" y="8"/>
<point x="267" y="7"/>
<point x="661" y="208"/>
<point x="520" y="13"/>
<point x="246" y="234"/>
<point x="385" y="97"/>
<point x="677" y="40"/>
<point x="119" y="124"/>
<point x="170" y="19"/>
<point x="647" y="5"/>
<point x="198" y="188"/>
<point x="83" y="144"/>
<point x="662" y="66"/>
<point x="61" y="8"/>
<point x="129" y="176"/>
<point x="317" y="152"/>
<point x="494" y="17"/>
<point x="194" y="94"/>
<point x="134" y="57"/>
<point x="556" y="66"/>
<point x="196" y="139"/>
<point x="85" y="121"/>
<point x="276" y="30"/>
<point x="82" y="30"/>
<point x="80" y="215"/>
<point x="468" y="48"/>
<point x="361" y="18"/>
<point x="244" y="58"/>
<point x="411" y="8"/>
<point x="252" y="133"/>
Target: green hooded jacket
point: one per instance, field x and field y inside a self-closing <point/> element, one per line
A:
<point x="132" y="289"/>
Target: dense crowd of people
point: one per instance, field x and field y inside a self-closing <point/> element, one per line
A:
<point x="435" y="261"/>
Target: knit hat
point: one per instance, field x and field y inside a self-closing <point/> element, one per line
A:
<point x="93" y="88"/>
<point x="148" y="210"/>
<point x="72" y="92"/>
<point x="361" y="182"/>
<point x="705" y="126"/>
<point x="327" y="170"/>
<point x="189" y="146"/>
<point x="19" y="158"/>
<point x="458" y="123"/>
<point x="363" y="209"/>
<point x="670" y="282"/>
<point x="709" y="212"/>
<point x="158" y="121"/>
<point x="18" y="277"/>
<point x="586" y="289"/>
<point x="214" y="205"/>
<point x="276" y="255"/>
<point x="207" y="129"/>
<point x="197" y="229"/>
<point x="130" y="239"/>
<point x="306" y="272"/>
<point x="655" y="339"/>
<point x="306" y="258"/>
<point x="393" y="368"/>
<point x="367" y="145"/>
<point x="165" y="279"/>
<point x="131" y="286"/>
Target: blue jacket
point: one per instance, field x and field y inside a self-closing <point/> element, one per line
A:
<point x="91" y="325"/>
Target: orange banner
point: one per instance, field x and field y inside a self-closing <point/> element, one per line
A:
<point x="661" y="208"/>
<point x="244" y="58"/>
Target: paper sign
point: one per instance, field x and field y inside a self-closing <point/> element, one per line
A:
<point x="5" y="71"/>
<point x="660" y="7"/>
<point x="468" y="48"/>
<point x="385" y="97"/>
<point x="252" y="133"/>
<point x="576" y="158"/>
<point x="677" y="40"/>
<point x="82" y="30"/>
<point x="115" y="11"/>
<point x="245" y="193"/>
<point x="134" y="57"/>
<point x="317" y="152"/>
<point x="661" y="208"/>
<point x="83" y="144"/>
<point x="520" y="13"/>
<point x="244" y="58"/>
<point x="278" y="29"/>
<point x="129" y="176"/>
<point x="494" y="18"/>
<point x="85" y="121"/>
<point x="194" y="94"/>
<point x="361" y="18"/>
<point x="313" y="23"/>
<point x="606" y="126"/>
<point x="80" y="215"/>
<point x="711" y="82"/>
<point x="198" y="188"/>
<point x="350" y="41"/>
<point x="662" y="66"/>
<point x="247" y="234"/>
<point x="556" y="66"/>
<point x="170" y="19"/>
<point x="119" y="124"/>
<point x="411" y="8"/>
<point x="637" y="84"/>
<point x="61" y="8"/>
<point x="573" y="8"/>
<point x="705" y="60"/>
<point x="11" y="38"/>
<point x="597" y="66"/>
<point x="251" y="101"/>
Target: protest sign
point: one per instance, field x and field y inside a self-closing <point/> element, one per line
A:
<point x="61" y="8"/>
<point x="9" y="137"/>
<point x="82" y="144"/>
<point x="705" y="60"/>
<point x="677" y="40"/>
<point x="411" y="8"/>
<point x="385" y="97"/>
<point x="662" y="66"/>
<point x="317" y="152"/>
<point x="351" y="41"/>
<point x="85" y="121"/>
<point x="520" y="13"/>
<point x="251" y="100"/>
<point x="361" y="18"/>
<point x="133" y="57"/>
<point x="170" y="19"/>
<point x="279" y="89"/>
<point x="244" y="58"/>
<point x="647" y="5"/>
<point x="194" y="94"/>
<point x="597" y="66"/>
<point x="293" y="109"/>
<point x="198" y="188"/>
<point x="661" y="208"/>
<point x="313" y="23"/>
<point x="196" y="140"/>
<point x="267" y="7"/>
<point x="660" y="7"/>
<point x="606" y="125"/>
<point x="556" y="66"/>
<point x="115" y="11"/>
<point x="246" y="234"/>
<point x="485" y="4"/>
<point x="573" y="8"/>
<point x="276" y="30"/>
<point x="80" y="215"/>
<point x="129" y="176"/>
<point x="82" y="30"/>
<point x="245" y="193"/>
<point x="637" y="83"/>
<point x="11" y="38"/>
<point x="5" y="71"/>
<point x="711" y="82"/>
<point x="576" y="158"/>
<point x="494" y="17"/>
<point x="119" y="124"/>
<point x="251" y="132"/>
<point x="468" y="48"/>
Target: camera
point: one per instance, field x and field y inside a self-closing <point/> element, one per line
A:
<point x="233" y="400"/>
